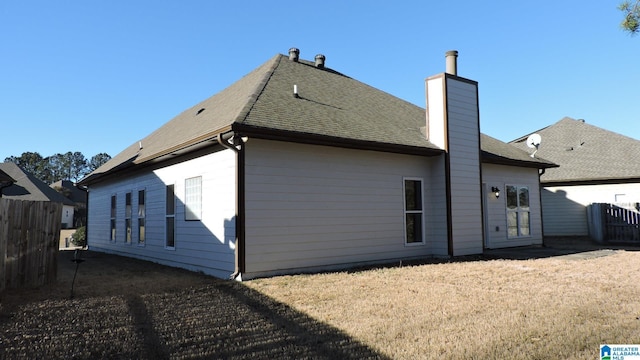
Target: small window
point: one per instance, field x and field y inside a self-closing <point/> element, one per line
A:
<point x="170" y="217"/>
<point x="141" y="217"/>
<point x="127" y="218"/>
<point x="413" y="213"/>
<point x="518" y="211"/>
<point x="112" y="236"/>
<point x="193" y="198"/>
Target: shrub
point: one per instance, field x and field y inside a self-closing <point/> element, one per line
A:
<point x="79" y="238"/>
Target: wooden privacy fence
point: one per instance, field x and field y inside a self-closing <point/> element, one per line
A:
<point x="615" y="223"/>
<point x="29" y="232"/>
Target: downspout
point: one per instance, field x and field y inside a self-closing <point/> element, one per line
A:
<point x="540" y="173"/>
<point x="237" y="146"/>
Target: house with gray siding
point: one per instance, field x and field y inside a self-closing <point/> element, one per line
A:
<point x="596" y="166"/>
<point x="297" y="167"/>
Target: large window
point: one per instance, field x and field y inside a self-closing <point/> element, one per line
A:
<point x="141" y="217"/>
<point x="112" y="236"/>
<point x="127" y="218"/>
<point x="413" y="211"/>
<point x="193" y="198"/>
<point x="518" y="211"/>
<point x="170" y="217"/>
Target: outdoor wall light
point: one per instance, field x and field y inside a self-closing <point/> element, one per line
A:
<point x="496" y="191"/>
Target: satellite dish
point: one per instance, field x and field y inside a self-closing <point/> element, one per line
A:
<point x="533" y="141"/>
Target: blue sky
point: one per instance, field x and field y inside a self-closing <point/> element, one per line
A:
<point x="97" y="76"/>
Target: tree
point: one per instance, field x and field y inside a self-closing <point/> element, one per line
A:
<point x="31" y="162"/>
<point x="97" y="161"/>
<point x="68" y="166"/>
<point x="631" y="21"/>
<point x="77" y="165"/>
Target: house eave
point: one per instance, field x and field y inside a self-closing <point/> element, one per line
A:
<point x="317" y="139"/>
<point x="489" y="158"/>
<point x="601" y="181"/>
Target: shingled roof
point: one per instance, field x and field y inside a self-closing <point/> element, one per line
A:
<point x="329" y="109"/>
<point x="497" y="152"/>
<point x="28" y="187"/>
<point x="586" y="153"/>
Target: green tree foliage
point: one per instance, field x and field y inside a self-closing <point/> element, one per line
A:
<point x="97" y="161"/>
<point x="31" y="162"/>
<point x="631" y="20"/>
<point x="68" y="166"/>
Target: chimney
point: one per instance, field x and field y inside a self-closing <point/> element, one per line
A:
<point x="320" y="61"/>
<point x="294" y="54"/>
<point x="453" y="125"/>
<point x="452" y="62"/>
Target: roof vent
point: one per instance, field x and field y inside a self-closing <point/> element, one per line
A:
<point x="320" y="61"/>
<point x="452" y="62"/>
<point x="294" y="54"/>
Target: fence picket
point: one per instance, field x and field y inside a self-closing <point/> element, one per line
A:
<point x="29" y="232"/>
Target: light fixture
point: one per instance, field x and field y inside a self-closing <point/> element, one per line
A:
<point x="496" y="191"/>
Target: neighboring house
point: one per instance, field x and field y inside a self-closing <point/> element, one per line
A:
<point x="297" y="167"/>
<point x="596" y="166"/>
<point x="28" y="187"/>
<point x="78" y="196"/>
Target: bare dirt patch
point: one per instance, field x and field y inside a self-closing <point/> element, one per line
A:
<point x="128" y="309"/>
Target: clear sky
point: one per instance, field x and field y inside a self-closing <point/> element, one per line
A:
<point x="97" y="76"/>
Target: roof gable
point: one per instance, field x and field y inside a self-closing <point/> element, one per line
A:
<point x="28" y="187"/>
<point x="586" y="152"/>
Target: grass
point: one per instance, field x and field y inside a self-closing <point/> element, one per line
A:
<point x="532" y="309"/>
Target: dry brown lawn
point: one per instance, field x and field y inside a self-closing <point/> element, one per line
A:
<point x="557" y="307"/>
<point x="560" y="308"/>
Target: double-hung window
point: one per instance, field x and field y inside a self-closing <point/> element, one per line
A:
<point x="127" y="218"/>
<point x="170" y="217"/>
<point x="112" y="236"/>
<point x="141" y="217"/>
<point x="413" y="211"/>
<point x="518" y="211"/>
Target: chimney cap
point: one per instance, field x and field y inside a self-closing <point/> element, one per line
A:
<point x="294" y="54"/>
<point x="451" y="57"/>
<point x="320" y="61"/>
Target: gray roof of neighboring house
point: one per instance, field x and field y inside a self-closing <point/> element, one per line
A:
<point x="331" y="109"/>
<point x="586" y="153"/>
<point x="28" y="187"/>
<point x="73" y="193"/>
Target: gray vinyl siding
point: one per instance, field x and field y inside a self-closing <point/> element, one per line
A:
<point x="313" y="206"/>
<point x="464" y="155"/>
<point x="205" y="245"/>
<point x="496" y="213"/>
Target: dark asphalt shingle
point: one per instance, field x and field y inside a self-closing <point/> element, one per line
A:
<point x="586" y="152"/>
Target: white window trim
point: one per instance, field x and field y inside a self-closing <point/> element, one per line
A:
<point x="517" y="211"/>
<point x="405" y="212"/>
